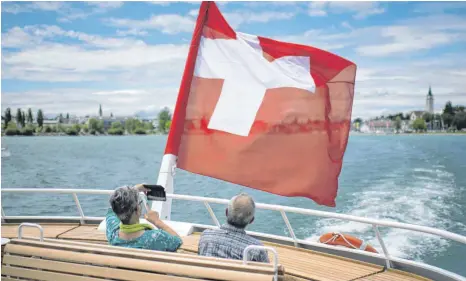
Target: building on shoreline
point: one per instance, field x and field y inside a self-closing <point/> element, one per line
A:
<point x="430" y="102"/>
<point x="388" y="125"/>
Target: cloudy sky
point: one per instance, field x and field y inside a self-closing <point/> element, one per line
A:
<point x="129" y="56"/>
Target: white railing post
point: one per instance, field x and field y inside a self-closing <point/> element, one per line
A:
<point x="382" y="244"/>
<point x="3" y="215"/>
<point x="212" y="214"/>
<point x="78" y="205"/>
<point x="290" y="229"/>
<point x="166" y="173"/>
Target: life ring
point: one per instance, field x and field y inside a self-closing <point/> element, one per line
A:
<point x="345" y="240"/>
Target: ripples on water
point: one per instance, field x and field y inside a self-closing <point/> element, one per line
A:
<point x="413" y="179"/>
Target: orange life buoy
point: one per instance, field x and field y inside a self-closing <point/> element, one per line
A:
<point x="345" y="240"/>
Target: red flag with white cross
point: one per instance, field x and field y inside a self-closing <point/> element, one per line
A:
<point x="261" y="113"/>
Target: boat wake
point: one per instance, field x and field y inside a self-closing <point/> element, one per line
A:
<point x="5" y="153"/>
<point x="419" y="196"/>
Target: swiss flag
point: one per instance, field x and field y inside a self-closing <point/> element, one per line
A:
<point x="262" y="113"/>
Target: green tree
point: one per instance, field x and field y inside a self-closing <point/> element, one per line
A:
<point x="398" y="124"/>
<point x="428" y="117"/>
<point x="132" y="124"/>
<point x="116" y="129"/>
<point x="148" y="126"/>
<point x="12" y="129"/>
<point x="140" y="131"/>
<point x="458" y="108"/>
<point x="71" y="131"/>
<point x="7" y="117"/>
<point x="77" y="128"/>
<point x="448" y="108"/>
<point x="27" y="131"/>
<point x="19" y="117"/>
<point x="93" y="124"/>
<point x="23" y="119"/>
<point x="447" y="119"/>
<point x="459" y="121"/>
<point x="30" y="119"/>
<point x="100" y="126"/>
<point x="116" y="125"/>
<point x="419" y="125"/>
<point x="40" y="118"/>
<point x="164" y="117"/>
<point x="168" y="125"/>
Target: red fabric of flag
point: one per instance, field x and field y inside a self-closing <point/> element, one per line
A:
<point x="249" y="112"/>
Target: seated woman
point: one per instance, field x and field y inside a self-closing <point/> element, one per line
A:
<point x="124" y="229"/>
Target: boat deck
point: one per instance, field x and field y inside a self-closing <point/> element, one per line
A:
<point x="299" y="264"/>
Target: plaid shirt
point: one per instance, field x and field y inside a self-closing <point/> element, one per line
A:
<point x="229" y="242"/>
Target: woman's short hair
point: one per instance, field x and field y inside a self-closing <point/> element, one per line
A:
<point x="124" y="202"/>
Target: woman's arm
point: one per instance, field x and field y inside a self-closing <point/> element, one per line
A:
<point x="153" y="217"/>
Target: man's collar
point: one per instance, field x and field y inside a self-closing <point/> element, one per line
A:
<point x="230" y="227"/>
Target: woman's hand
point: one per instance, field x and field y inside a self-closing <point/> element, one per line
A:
<point x="140" y="188"/>
<point x="153" y="217"/>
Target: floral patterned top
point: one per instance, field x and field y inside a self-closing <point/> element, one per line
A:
<point x="155" y="239"/>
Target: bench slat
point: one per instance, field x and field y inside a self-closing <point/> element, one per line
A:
<point x="152" y="255"/>
<point x="4" y="278"/>
<point x="155" y="253"/>
<point x="137" y="264"/>
<point x="43" y="275"/>
<point x="90" y="270"/>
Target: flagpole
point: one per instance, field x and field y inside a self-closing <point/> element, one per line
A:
<point x="167" y="168"/>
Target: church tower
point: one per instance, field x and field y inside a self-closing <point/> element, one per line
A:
<point x="430" y="102"/>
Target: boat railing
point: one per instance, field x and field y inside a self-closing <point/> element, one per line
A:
<point x="375" y="223"/>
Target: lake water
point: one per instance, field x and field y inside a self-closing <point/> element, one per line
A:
<point x="413" y="179"/>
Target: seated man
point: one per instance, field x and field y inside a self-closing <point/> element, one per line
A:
<point x="124" y="229"/>
<point x="230" y="240"/>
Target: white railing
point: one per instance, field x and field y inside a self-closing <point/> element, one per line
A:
<point x="375" y="223"/>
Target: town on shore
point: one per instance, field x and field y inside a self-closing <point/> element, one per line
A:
<point x="452" y="119"/>
<point x="24" y="124"/>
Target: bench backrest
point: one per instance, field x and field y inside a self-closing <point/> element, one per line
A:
<point x="67" y="260"/>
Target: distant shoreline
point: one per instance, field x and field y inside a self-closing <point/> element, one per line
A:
<point x="410" y="134"/>
<point x="162" y="134"/>
<point x="80" y="135"/>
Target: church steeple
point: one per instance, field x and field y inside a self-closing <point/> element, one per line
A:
<point x="430" y="101"/>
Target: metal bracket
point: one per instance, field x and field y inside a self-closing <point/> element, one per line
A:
<point x="20" y="230"/>
<point x="275" y="257"/>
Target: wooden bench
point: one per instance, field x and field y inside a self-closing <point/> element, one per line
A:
<point x="54" y="259"/>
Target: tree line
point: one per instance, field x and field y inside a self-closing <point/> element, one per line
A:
<point x="24" y="125"/>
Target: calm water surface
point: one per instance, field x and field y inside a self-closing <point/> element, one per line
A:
<point x="413" y="179"/>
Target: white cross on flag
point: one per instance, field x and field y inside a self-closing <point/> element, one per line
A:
<point x="266" y="114"/>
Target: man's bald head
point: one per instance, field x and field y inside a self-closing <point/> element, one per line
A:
<point x="241" y="210"/>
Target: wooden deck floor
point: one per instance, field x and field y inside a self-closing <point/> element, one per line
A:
<point x="300" y="264"/>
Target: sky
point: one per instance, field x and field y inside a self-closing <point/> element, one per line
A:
<point x="129" y="56"/>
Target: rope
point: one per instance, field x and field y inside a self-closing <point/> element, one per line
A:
<point x="337" y="234"/>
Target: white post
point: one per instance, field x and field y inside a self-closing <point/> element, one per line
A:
<point x="166" y="174"/>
